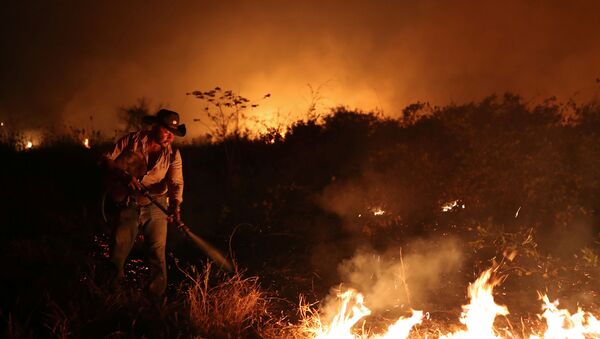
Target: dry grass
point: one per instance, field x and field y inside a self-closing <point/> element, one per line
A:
<point x="310" y="323"/>
<point x="209" y="303"/>
<point x="226" y="306"/>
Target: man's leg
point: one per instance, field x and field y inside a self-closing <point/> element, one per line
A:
<point x="155" y="234"/>
<point x="124" y="238"/>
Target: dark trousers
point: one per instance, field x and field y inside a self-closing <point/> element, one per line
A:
<point x="153" y="223"/>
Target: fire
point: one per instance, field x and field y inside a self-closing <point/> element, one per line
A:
<point x="451" y="205"/>
<point x="562" y="325"/>
<point x="352" y="309"/>
<point x="29" y="145"/>
<point x="401" y="328"/>
<point x="479" y="315"/>
<point x="86" y="143"/>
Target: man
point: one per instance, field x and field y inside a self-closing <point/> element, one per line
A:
<point x="163" y="177"/>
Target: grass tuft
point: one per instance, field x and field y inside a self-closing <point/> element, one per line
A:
<point x="230" y="307"/>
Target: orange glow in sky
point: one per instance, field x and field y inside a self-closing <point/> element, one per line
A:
<point x="371" y="56"/>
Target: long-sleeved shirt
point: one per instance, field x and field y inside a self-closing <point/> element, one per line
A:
<point x="165" y="176"/>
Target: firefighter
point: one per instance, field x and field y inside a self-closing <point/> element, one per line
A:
<point x="146" y="159"/>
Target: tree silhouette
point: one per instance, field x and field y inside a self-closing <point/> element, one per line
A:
<point x="226" y="110"/>
<point x="130" y="116"/>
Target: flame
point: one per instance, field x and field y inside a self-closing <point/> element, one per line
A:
<point x="29" y="145"/>
<point x="86" y="143"/>
<point x="451" y="205"/>
<point x="479" y="315"/>
<point x="351" y="311"/>
<point x="401" y="328"/>
<point x="378" y="211"/>
<point x="561" y="324"/>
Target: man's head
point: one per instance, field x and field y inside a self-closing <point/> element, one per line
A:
<point x="165" y="125"/>
<point x="161" y="135"/>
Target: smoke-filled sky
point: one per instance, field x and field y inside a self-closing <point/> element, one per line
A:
<point x="64" y="61"/>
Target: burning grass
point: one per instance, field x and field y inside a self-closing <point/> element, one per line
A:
<point x="210" y="303"/>
<point x="204" y="301"/>
<point x="503" y="300"/>
<point x="478" y="318"/>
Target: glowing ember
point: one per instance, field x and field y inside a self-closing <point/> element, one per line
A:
<point x="451" y="205"/>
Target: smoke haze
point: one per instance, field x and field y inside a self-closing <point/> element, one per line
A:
<point x="401" y="279"/>
<point x="65" y="61"/>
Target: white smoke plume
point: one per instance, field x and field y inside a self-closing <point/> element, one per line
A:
<point x="404" y="277"/>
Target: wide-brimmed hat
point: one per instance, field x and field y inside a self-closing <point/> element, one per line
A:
<point x="167" y="119"/>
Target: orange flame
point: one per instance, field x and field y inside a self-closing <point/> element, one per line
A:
<point x="562" y="325"/>
<point x="401" y="328"/>
<point x="479" y="315"/>
<point x="351" y="311"/>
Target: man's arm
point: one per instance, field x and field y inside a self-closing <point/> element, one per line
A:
<point x="108" y="158"/>
<point x="108" y="163"/>
<point x="175" y="183"/>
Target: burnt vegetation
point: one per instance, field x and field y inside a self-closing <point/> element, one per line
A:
<point x="292" y="207"/>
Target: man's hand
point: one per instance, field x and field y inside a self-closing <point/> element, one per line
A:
<point x="174" y="212"/>
<point x="134" y="184"/>
<point x="121" y="175"/>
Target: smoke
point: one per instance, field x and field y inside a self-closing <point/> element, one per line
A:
<point x="403" y="277"/>
<point x="570" y="236"/>
<point x="388" y="271"/>
<point x="348" y="200"/>
<point x="373" y="200"/>
<point x="71" y="59"/>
